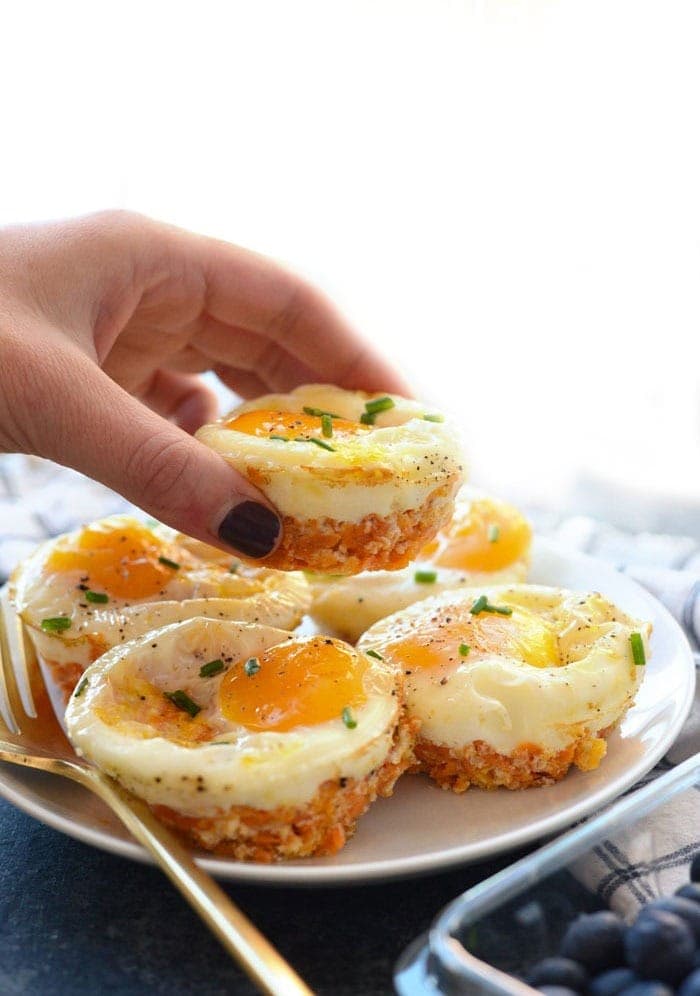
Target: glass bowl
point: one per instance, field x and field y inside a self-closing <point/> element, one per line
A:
<point x="495" y="931"/>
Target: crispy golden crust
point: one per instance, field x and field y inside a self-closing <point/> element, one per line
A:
<point x="530" y="765"/>
<point x="332" y="546"/>
<point x="319" y="828"/>
<point x="64" y="677"/>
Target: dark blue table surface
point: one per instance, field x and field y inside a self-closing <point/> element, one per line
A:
<point x="75" y="920"/>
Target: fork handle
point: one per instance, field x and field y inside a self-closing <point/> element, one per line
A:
<point x="235" y="931"/>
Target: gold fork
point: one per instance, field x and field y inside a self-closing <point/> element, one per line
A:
<point x="30" y="735"/>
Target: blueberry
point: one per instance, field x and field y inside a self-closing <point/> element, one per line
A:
<point x="648" y="988"/>
<point x="659" y="945"/>
<point x="558" y="972"/>
<point x="612" y="982"/>
<point x="690" y="891"/>
<point x="695" y="869"/>
<point x="684" y="908"/>
<point x="595" y="940"/>
<point x="691" y="985"/>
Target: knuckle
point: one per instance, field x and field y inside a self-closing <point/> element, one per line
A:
<point x="162" y="472"/>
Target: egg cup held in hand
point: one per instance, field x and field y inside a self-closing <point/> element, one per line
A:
<point x="86" y="591"/>
<point x="512" y="684"/>
<point x="248" y="740"/>
<point x="487" y="542"/>
<point x="361" y="481"/>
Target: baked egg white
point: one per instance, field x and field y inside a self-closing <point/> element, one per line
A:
<point x="486" y="542"/>
<point x="245" y="736"/>
<point x="361" y="481"/>
<point x="513" y="684"/>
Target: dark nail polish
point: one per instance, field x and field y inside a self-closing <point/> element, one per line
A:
<point x="251" y="528"/>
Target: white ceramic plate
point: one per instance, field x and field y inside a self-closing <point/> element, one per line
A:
<point x="422" y="828"/>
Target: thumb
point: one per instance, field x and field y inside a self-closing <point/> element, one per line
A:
<point x="99" y="429"/>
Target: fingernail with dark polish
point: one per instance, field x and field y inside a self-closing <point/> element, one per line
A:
<point x="251" y="528"/>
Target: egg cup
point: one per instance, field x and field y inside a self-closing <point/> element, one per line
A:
<point x="247" y="740"/>
<point x="486" y="542"/>
<point x="84" y="592"/>
<point x="512" y="684"/>
<point x="361" y="481"/>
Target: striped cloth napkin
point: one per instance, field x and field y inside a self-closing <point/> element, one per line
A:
<point x="39" y="499"/>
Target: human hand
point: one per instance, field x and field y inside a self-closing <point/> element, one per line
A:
<point x="104" y="322"/>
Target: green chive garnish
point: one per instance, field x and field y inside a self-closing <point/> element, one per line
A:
<point x="233" y="569"/>
<point x="280" y="439"/>
<point x="319" y="412"/>
<point x="81" y="688"/>
<point x="367" y="418"/>
<point x="433" y="418"/>
<point x="327" y="426"/>
<point x="96" y="596"/>
<point x="210" y="669"/>
<point x="169" y="563"/>
<point x="55" y="625"/>
<point x="348" y="718"/>
<point x="494" y="533"/>
<point x="379" y="405"/>
<point x="251" y="666"/>
<point x="316" y="442"/>
<point x="482" y="604"/>
<point x="464" y="649"/>
<point x="373" y="653"/>
<point x="425" y="577"/>
<point x="183" y="701"/>
<point x="637" y="644"/>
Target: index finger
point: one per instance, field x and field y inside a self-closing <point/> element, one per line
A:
<point x="248" y="290"/>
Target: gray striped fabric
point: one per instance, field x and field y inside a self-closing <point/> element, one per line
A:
<point x="38" y="500"/>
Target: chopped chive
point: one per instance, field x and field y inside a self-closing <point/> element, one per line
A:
<point x="280" y="439"/>
<point x="319" y="412"/>
<point x="502" y="610"/>
<point x="433" y="418"/>
<point x="81" y="688"/>
<point x="96" y="596"/>
<point x="233" y="569"/>
<point x="464" y="649"/>
<point x="316" y="442"/>
<point x="425" y="577"/>
<point x="55" y="625"/>
<point x="348" y="718"/>
<point x="367" y="418"/>
<point x="494" y="533"/>
<point x="373" y="653"/>
<point x="637" y="644"/>
<point x="169" y="563"/>
<point x="183" y="701"/>
<point x="210" y="669"/>
<point x="379" y="405"/>
<point x="479" y="605"/>
<point x="327" y="426"/>
<point x="251" y="666"/>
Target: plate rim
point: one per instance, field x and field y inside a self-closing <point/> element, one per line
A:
<point x="308" y="875"/>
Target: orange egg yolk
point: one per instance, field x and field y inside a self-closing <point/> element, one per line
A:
<point x="120" y="561"/>
<point x="523" y="636"/>
<point x="491" y="536"/>
<point x="300" y="683"/>
<point x="293" y="425"/>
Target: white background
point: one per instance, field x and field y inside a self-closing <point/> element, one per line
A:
<point x="503" y="195"/>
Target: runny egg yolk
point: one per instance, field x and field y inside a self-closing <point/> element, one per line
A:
<point x="121" y="561"/>
<point x="299" y="683"/>
<point x="293" y="425"/>
<point x="490" y="537"/>
<point x="522" y="635"/>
